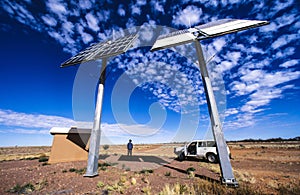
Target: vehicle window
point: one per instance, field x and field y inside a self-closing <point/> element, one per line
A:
<point x="200" y="144"/>
<point x="211" y="144"/>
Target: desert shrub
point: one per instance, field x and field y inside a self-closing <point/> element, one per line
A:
<point x="40" y="185"/>
<point x="43" y="159"/>
<point x="133" y="181"/>
<point x="31" y="158"/>
<point x="105" y="147"/>
<point x="146" y="190"/>
<point x="64" y="171"/>
<point x="190" y="169"/>
<point x="145" y="180"/>
<point x="289" y="189"/>
<point x="122" y="181"/>
<point x="110" y="188"/>
<point x="176" y="189"/>
<point x="72" y="170"/>
<point x="100" y="184"/>
<point x="25" y="189"/>
<point x="103" y="166"/>
<point x="79" y="171"/>
<point x="45" y="164"/>
<point x="146" y="171"/>
<point x="168" y="174"/>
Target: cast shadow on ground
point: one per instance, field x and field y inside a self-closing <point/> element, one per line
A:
<point x="207" y="178"/>
<point x="103" y="156"/>
<point x="150" y="159"/>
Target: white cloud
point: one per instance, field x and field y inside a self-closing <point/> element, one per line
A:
<point x="85" y="4"/>
<point x="135" y="9"/>
<point x="158" y="6"/>
<point x="285" y="53"/>
<point x="272" y="27"/>
<point x="252" y="76"/>
<point x="254" y="49"/>
<point x="92" y="22"/>
<point x="23" y="120"/>
<point x="56" y="7"/>
<point x="274" y="79"/>
<point x="57" y="36"/>
<point x="284" y="40"/>
<point x="23" y="123"/>
<point x="26" y="131"/>
<point x="286" y="19"/>
<point x="219" y="43"/>
<point x="103" y="15"/>
<point x="7" y="8"/>
<point x="281" y="5"/>
<point x="231" y="111"/>
<point x="49" y="20"/>
<point x="86" y="38"/>
<point x="289" y="63"/>
<point x="68" y="27"/>
<point x="121" y="10"/>
<point x="189" y="16"/>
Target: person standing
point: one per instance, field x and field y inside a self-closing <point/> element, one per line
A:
<point x="129" y="148"/>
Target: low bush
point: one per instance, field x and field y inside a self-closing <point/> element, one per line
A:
<point x="146" y="171"/>
<point x="25" y="189"/>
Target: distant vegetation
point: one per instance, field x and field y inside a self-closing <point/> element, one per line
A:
<point x="279" y="139"/>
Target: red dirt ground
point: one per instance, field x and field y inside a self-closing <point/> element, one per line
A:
<point x="260" y="166"/>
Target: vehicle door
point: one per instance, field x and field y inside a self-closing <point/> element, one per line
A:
<point x="201" y="149"/>
<point x="192" y="149"/>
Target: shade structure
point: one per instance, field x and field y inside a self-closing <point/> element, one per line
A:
<point x="102" y="50"/>
<point x="201" y="32"/>
<point x="205" y="31"/>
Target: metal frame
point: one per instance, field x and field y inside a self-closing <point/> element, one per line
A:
<point x="93" y="157"/>
<point x="99" y="51"/>
<point x="225" y="165"/>
<point x="201" y="32"/>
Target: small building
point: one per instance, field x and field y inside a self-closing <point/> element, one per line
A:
<point x="69" y="144"/>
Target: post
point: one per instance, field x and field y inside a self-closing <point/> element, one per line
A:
<point x="93" y="156"/>
<point x="224" y="161"/>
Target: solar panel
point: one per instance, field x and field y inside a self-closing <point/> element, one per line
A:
<point x="102" y="50"/>
<point x="227" y="26"/>
<point x="175" y="38"/>
<point x="205" y="31"/>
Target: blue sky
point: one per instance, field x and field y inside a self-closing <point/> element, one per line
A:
<point x="149" y="96"/>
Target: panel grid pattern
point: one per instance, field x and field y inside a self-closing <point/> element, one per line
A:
<point x="102" y="50"/>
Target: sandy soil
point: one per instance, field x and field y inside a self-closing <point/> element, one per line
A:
<point x="263" y="167"/>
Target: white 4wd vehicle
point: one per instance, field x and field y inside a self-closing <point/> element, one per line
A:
<point x="201" y="149"/>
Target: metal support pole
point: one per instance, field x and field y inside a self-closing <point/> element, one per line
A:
<point x="225" y="165"/>
<point x="92" y="166"/>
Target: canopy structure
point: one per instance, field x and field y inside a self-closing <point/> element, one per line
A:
<point x="111" y="48"/>
<point x="102" y="50"/>
<point x="205" y="31"/>
<point x="201" y="32"/>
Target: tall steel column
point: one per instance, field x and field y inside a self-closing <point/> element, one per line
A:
<point x="225" y="165"/>
<point x="92" y="166"/>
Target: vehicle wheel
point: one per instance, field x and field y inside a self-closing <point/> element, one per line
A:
<point x="181" y="157"/>
<point x="212" y="158"/>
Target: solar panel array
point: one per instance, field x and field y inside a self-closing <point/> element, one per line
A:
<point x="226" y="26"/>
<point x="205" y="31"/>
<point x="174" y="33"/>
<point x="102" y="50"/>
<point x="178" y="37"/>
